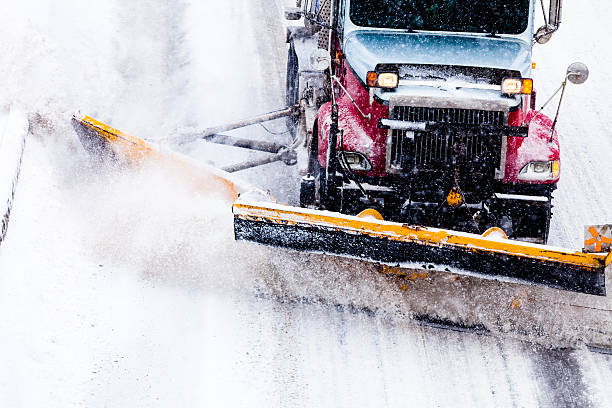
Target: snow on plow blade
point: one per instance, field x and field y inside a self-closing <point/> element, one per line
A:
<point x="393" y="243"/>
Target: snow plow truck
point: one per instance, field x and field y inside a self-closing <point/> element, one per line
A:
<point x="415" y="127"/>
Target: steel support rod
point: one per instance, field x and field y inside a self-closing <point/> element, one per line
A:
<point x="191" y="135"/>
<point x="250" y="144"/>
<point x="253" y="163"/>
<point x="554" y="124"/>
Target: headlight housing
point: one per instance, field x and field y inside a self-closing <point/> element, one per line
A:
<point x="515" y="86"/>
<point x="540" y="171"/>
<point x="356" y="161"/>
<point x="383" y="79"/>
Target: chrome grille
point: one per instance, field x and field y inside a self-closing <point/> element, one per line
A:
<point x="428" y="150"/>
<point x="397" y="146"/>
<point x="440" y="149"/>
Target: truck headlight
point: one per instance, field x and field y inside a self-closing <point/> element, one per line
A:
<point x="388" y="80"/>
<point x="540" y="171"/>
<point x="356" y="161"/>
<point x="515" y="86"/>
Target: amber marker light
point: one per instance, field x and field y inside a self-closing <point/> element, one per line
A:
<point x="372" y="78"/>
<point x="527" y="86"/>
<point x="556" y="169"/>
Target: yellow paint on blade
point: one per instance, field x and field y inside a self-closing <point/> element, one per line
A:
<point x="129" y="148"/>
<point x="422" y="235"/>
<point x="136" y="151"/>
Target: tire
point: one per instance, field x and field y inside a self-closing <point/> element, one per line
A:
<point x="315" y="168"/>
<point x="318" y="173"/>
<point x="292" y="89"/>
<point x="320" y="184"/>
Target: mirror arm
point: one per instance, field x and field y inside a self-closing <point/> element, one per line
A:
<point x="544" y="33"/>
<point x="552" y="129"/>
<point x="554" y="14"/>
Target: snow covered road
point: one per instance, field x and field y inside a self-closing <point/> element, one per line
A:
<point x="125" y="289"/>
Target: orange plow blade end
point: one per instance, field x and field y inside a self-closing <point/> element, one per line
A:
<point x="108" y="143"/>
<point x="398" y="245"/>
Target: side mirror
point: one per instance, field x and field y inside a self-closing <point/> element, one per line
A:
<point x="544" y="33"/>
<point x="577" y="73"/>
<point x="293" y="13"/>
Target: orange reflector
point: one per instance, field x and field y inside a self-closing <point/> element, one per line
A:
<point x="454" y="198"/>
<point x="555" y="169"/>
<point x="527" y="86"/>
<point x="372" y="78"/>
<point x="597" y="238"/>
<point x="533" y="65"/>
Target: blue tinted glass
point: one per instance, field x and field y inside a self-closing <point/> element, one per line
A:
<point x="494" y="16"/>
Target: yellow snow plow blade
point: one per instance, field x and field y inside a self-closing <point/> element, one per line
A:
<point x="104" y="141"/>
<point x="367" y="237"/>
<point x="402" y="245"/>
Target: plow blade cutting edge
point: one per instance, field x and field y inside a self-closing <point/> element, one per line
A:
<point x="367" y="238"/>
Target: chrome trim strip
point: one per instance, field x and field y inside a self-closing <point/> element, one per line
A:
<point x="368" y="187"/>
<point x="501" y="172"/>
<point x="521" y="197"/>
<point x="449" y="85"/>
<point x="458" y="103"/>
<point x="404" y="125"/>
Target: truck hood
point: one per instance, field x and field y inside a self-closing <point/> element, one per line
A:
<point x="365" y="49"/>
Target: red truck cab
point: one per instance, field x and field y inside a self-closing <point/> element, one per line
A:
<point x="426" y="113"/>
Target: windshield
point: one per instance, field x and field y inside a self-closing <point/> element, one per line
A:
<point x="470" y="16"/>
